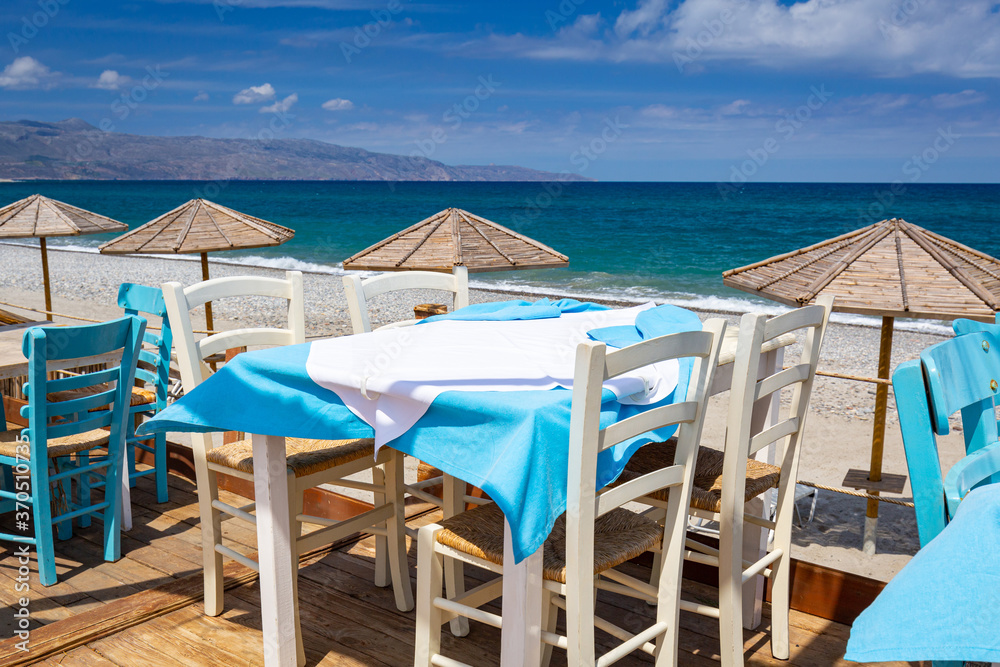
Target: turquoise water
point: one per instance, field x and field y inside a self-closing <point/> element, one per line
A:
<point x="663" y="240"/>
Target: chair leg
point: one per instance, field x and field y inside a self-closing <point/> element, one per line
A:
<point x="430" y="567"/>
<point x="113" y="489"/>
<point x="160" y="463"/>
<point x="731" y="592"/>
<point x="296" y="500"/>
<point x="780" y="595"/>
<point x="211" y="525"/>
<point x="668" y="580"/>
<point x="396" y="533"/>
<point x="382" y="575"/>
<point x="83" y="489"/>
<point x="42" y="510"/>
<point x="550" y="617"/>
<point x="454" y="572"/>
<point x="64" y="499"/>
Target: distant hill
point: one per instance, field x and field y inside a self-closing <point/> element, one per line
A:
<point x="74" y="149"/>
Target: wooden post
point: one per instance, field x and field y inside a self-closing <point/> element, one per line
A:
<point x="878" y="432"/>
<point x="208" y="304"/>
<point x="45" y="276"/>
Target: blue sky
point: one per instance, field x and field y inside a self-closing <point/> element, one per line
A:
<point x="708" y="90"/>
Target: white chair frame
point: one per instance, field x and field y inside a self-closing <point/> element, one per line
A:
<point x="385" y="520"/>
<point x="594" y="365"/>
<point x="749" y="395"/>
<point x="360" y="290"/>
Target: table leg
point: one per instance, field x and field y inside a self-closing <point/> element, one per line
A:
<point x="274" y="549"/>
<point x="521" y="639"/>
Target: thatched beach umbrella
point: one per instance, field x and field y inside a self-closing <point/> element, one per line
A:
<point x="889" y="269"/>
<point x="200" y="227"/>
<point x="453" y="238"/>
<point x="41" y="217"/>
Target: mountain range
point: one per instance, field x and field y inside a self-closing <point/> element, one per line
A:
<point x="74" y="149"/>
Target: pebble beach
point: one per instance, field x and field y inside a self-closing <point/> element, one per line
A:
<point x="85" y="284"/>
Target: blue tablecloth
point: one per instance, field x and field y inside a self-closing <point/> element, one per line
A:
<point x="512" y="444"/>
<point x="945" y="604"/>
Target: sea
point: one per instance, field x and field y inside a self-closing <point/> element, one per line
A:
<point x="669" y="242"/>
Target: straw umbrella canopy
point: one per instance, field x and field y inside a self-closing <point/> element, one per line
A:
<point x="199" y="227"/>
<point x="41" y="217"/>
<point x="454" y="237"/>
<point x="889" y="269"/>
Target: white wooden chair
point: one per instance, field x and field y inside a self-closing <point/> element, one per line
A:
<point x="726" y="481"/>
<point x="596" y="533"/>
<point x="360" y="290"/>
<point x="310" y="462"/>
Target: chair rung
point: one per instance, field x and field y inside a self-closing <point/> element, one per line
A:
<point x="234" y="512"/>
<point x="637" y="642"/>
<point x="11" y="495"/>
<point x="469" y="612"/>
<point x="426" y="497"/>
<point x="702" y="609"/>
<point x="80" y="512"/>
<point x="442" y="661"/>
<point x="240" y="558"/>
<point x="476" y="597"/>
<point x="760" y="567"/>
<point x="17" y="538"/>
<point x="79" y="470"/>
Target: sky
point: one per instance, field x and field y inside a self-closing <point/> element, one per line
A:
<point x="630" y="90"/>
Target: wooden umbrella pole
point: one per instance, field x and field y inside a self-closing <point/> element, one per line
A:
<point x="878" y="432"/>
<point x="45" y="274"/>
<point x="208" y="304"/>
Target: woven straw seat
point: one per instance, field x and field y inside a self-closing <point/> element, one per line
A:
<point x="140" y="395"/>
<point x="305" y="456"/>
<point x="706" y="493"/>
<point x="70" y="444"/>
<point x="619" y="536"/>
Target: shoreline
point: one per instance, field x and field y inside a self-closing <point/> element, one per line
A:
<point x="838" y="434"/>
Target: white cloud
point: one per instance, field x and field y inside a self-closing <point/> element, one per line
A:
<point x="202" y="96"/>
<point x="281" y="106"/>
<point x="111" y="80"/>
<point x="24" y="73"/>
<point x="338" y="104"/>
<point x="956" y="100"/>
<point x="959" y="38"/>
<point x="734" y="108"/>
<point x="254" y="94"/>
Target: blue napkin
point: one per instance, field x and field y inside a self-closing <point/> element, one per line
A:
<point x="651" y="323"/>
<point x="497" y="311"/>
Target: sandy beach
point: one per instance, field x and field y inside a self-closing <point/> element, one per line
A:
<point x="838" y="432"/>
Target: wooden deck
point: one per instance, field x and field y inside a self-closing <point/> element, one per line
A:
<point x="146" y="610"/>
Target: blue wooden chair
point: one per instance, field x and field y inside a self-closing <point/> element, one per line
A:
<point x="960" y="374"/>
<point x="153" y="372"/>
<point x="54" y="449"/>
<point x="964" y="326"/>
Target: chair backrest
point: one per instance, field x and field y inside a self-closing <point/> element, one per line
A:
<point x="750" y="392"/>
<point x="155" y="360"/>
<point x="359" y="291"/>
<point x="595" y="365"/>
<point x="964" y="326"/>
<point x="55" y="419"/>
<point x="957" y="375"/>
<point x="191" y="353"/>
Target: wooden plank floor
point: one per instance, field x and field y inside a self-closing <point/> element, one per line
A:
<point x="346" y="619"/>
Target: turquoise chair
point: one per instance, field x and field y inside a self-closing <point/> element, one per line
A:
<point x="154" y="374"/>
<point x="54" y="449"/>
<point x="964" y="326"/>
<point x="961" y="374"/>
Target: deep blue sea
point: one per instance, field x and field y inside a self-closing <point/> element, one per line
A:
<point x="669" y="241"/>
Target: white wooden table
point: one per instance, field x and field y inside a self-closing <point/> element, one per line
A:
<point x="522" y="585"/>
